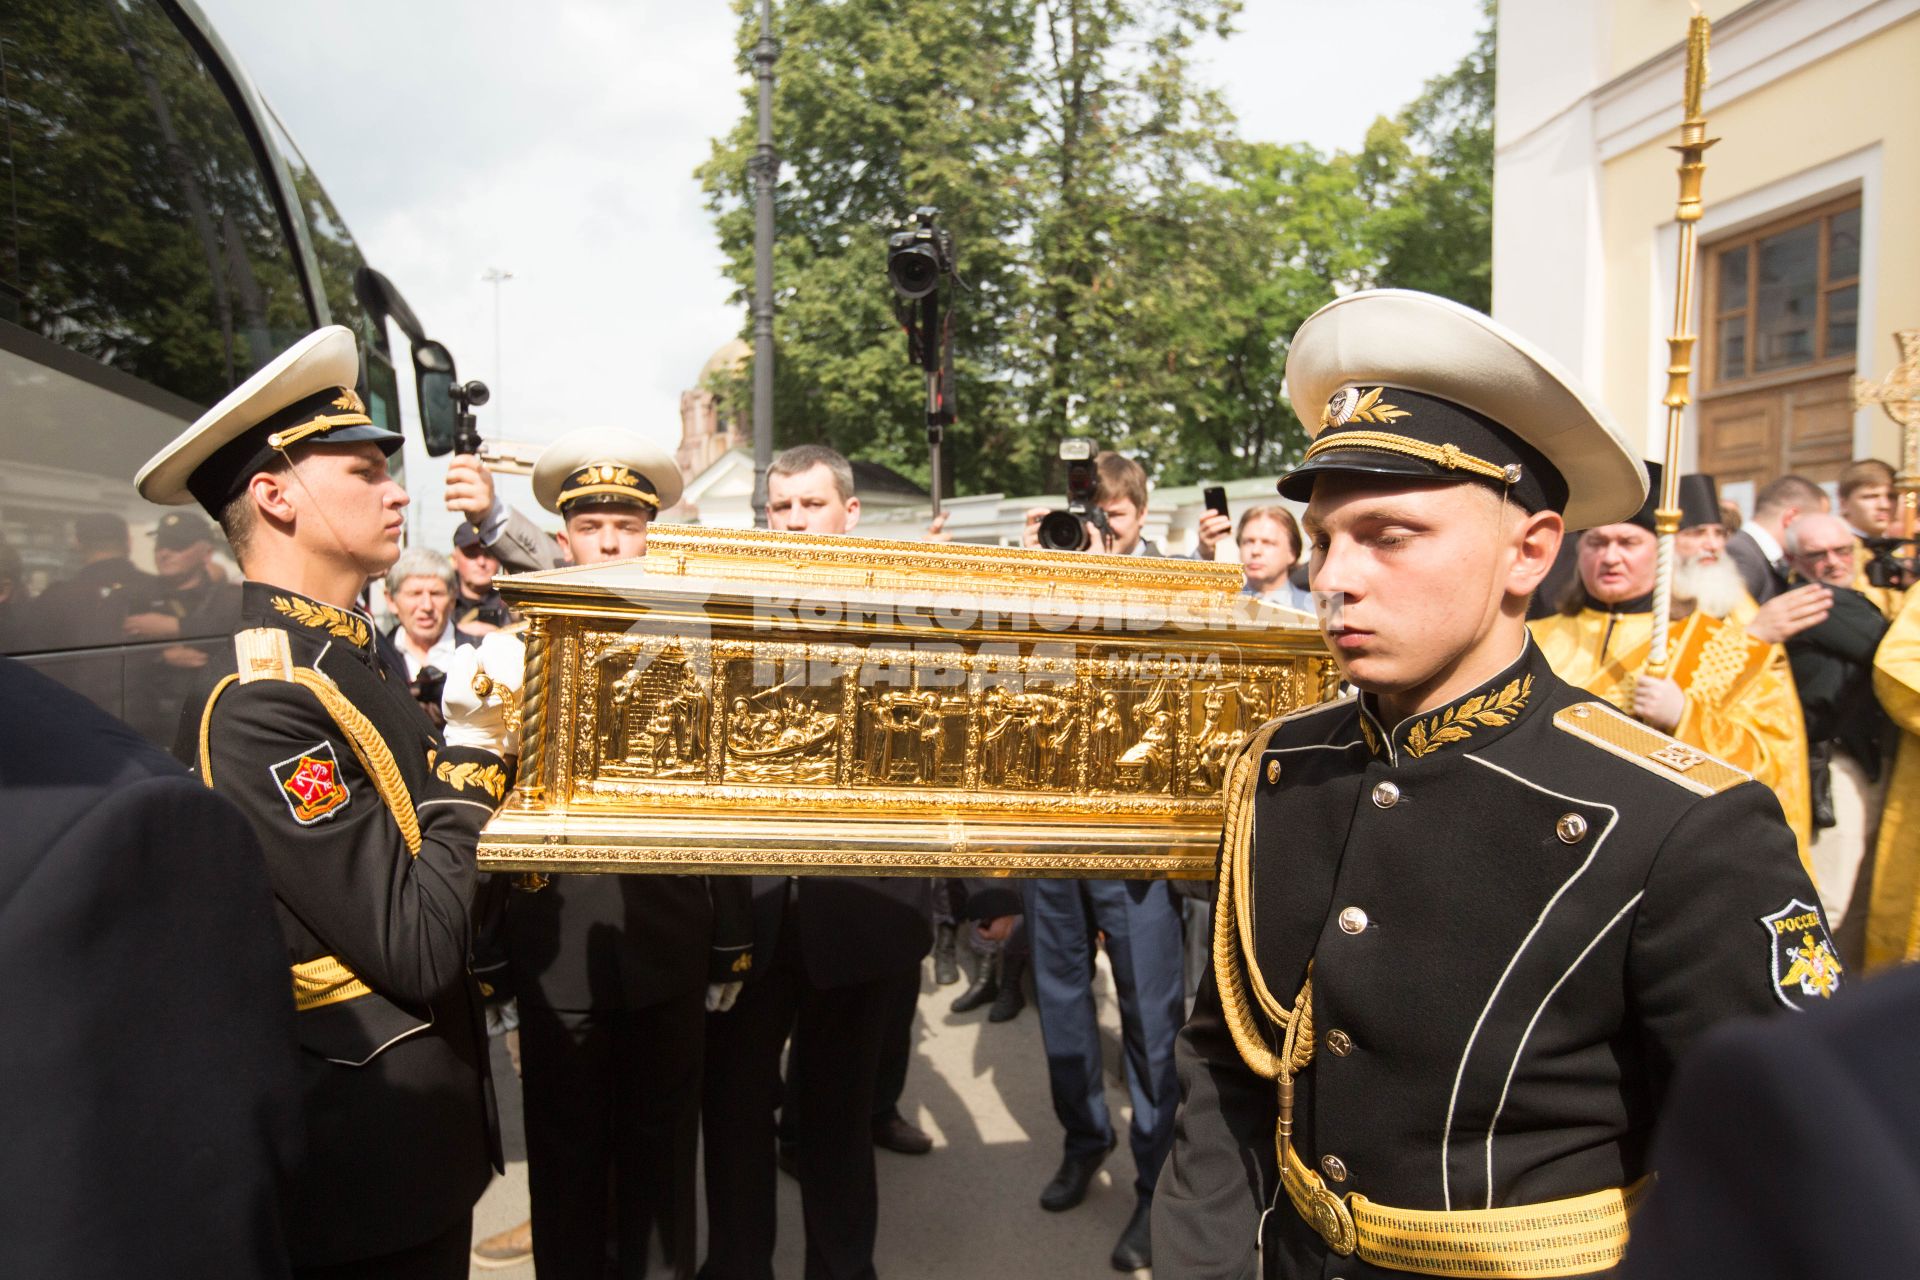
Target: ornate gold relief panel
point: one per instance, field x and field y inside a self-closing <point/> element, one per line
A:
<point x="761" y="702"/>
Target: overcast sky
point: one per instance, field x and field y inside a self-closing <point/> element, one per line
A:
<point x="558" y="140"/>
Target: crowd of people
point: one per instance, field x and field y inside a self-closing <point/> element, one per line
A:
<point x="751" y="1025"/>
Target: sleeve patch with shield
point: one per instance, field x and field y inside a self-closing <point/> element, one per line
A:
<point x="1800" y="951"/>
<point x="311" y="784"/>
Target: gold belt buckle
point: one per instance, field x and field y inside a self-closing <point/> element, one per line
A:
<point x="1332" y="1220"/>
<point x="1324" y="1211"/>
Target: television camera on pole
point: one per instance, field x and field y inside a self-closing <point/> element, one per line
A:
<point x="919" y="261"/>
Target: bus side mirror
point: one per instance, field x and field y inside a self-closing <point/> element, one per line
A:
<point x="433" y="380"/>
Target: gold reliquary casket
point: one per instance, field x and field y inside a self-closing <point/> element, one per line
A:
<point x="742" y="701"/>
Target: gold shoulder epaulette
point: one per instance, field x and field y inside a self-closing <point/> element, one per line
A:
<point x="1604" y="727"/>
<point x="263" y="654"/>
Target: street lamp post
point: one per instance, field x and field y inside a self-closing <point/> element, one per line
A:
<point x="765" y="168"/>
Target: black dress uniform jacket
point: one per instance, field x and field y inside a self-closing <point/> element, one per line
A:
<point x="399" y="1111"/>
<point x="147" y="1061"/>
<point x="1516" y="920"/>
<point x="1791" y="1147"/>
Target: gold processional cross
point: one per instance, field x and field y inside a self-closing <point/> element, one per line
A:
<point x="1899" y="395"/>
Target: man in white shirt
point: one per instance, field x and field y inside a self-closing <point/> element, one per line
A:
<point x="1759" y="547"/>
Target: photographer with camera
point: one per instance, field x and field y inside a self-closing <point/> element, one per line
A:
<point x="1884" y="562"/>
<point x="1107" y="506"/>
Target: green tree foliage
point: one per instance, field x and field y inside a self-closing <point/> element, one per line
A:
<point x="1136" y="269"/>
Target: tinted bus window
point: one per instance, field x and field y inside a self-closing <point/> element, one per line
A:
<point x="339" y="257"/>
<point x="144" y="272"/>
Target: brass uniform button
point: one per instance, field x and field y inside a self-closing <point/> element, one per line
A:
<point x="1273" y="771"/>
<point x="1334" y="1167"/>
<point x="1386" y="795"/>
<point x="1352" y="920"/>
<point x="1339" y="1043"/>
<point x="1570" y="828"/>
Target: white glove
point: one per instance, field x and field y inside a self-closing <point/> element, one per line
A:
<point x="483" y="681"/>
<point x="721" y="995"/>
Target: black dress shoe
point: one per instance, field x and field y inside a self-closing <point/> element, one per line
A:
<point x="894" y="1132"/>
<point x="986" y="985"/>
<point x="1135" y="1249"/>
<point x="1069" y="1185"/>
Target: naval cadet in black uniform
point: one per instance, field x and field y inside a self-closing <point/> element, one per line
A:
<point x="1470" y="919"/>
<point x="367" y="820"/>
<point x="614" y="973"/>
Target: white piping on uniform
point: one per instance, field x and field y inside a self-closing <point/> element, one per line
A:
<point x="323" y="654"/>
<point x="1514" y="1068"/>
<point x="1453" y="1098"/>
<point x="411" y="1031"/>
<point x="428" y="804"/>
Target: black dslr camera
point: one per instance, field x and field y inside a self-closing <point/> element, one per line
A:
<point x="1066" y="530"/>
<point x="1886" y="567"/>
<point x="919" y="258"/>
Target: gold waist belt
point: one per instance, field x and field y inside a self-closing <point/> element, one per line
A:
<point x="318" y="983"/>
<point x="1570" y="1237"/>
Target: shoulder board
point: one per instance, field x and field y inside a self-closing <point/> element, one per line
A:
<point x="1602" y="726"/>
<point x="263" y="654"/>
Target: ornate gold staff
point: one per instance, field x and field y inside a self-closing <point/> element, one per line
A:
<point x="1899" y="395"/>
<point x="1693" y="168"/>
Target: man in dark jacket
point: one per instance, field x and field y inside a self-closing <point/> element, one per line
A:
<point x="367" y="820"/>
<point x="148" y="1057"/>
<point x="613" y="973"/>
<point x="1759" y="546"/>
<point x="1849" y="738"/>
<point x="832" y="954"/>
<point x="1791" y="1147"/>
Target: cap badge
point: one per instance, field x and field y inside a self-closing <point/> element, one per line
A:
<point x="349" y="400"/>
<point x="1350" y="404"/>
<point x="608" y="473"/>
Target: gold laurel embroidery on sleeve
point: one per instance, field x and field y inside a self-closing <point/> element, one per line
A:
<point x="323" y="617"/>
<point x="1457" y="723"/>
<point x="490" y="778"/>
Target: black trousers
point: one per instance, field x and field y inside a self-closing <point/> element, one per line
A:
<point x="613" y="1117"/>
<point x="831" y="1069"/>
<point x="896" y="1048"/>
<point x="442" y="1258"/>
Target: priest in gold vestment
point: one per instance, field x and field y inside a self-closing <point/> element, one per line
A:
<point x="1893" y="918"/>
<point x="1727" y="692"/>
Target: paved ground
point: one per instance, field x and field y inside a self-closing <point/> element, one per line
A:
<point x="969" y="1210"/>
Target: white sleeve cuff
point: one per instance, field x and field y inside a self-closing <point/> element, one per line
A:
<point x="495" y="522"/>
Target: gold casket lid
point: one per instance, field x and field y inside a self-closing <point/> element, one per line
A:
<point x="745" y="701"/>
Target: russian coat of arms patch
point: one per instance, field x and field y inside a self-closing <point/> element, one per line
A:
<point x="1800" y="951"/>
<point x="310" y="783"/>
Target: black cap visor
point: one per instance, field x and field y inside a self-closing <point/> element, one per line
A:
<point x="1297" y="484"/>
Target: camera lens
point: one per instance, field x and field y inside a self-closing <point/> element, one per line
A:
<point x="914" y="270"/>
<point x="1062" y="531"/>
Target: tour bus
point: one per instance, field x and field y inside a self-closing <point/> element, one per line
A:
<point x="161" y="238"/>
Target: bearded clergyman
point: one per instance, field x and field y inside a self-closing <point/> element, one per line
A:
<point x="1728" y="690"/>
